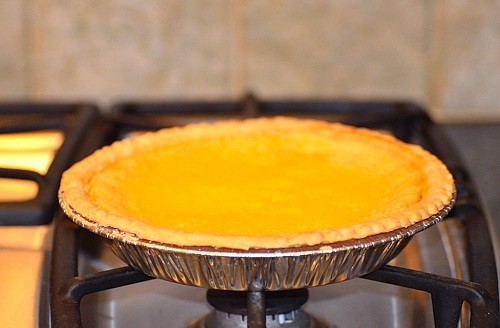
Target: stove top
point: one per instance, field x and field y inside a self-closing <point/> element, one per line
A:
<point x="37" y="143"/>
<point x="442" y="268"/>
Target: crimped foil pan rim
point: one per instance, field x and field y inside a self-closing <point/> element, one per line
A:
<point x="115" y="234"/>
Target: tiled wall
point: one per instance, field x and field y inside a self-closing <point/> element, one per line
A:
<point x="445" y="53"/>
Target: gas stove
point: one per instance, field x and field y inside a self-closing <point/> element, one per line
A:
<point x="69" y="277"/>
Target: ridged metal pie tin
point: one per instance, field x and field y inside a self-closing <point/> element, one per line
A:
<point x="258" y="269"/>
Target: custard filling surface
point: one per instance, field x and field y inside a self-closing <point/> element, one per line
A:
<point x="260" y="184"/>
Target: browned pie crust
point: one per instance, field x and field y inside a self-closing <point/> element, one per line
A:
<point x="78" y="206"/>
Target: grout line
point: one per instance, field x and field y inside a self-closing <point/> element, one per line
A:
<point x="27" y="69"/>
<point x="31" y="40"/>
<point x="238" y="48"/>
<point x="436" y="62"/>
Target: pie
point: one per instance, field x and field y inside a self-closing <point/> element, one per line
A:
<point x="258" y="183"/>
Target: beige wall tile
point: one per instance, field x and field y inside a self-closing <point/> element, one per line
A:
<point x="469" y="84"/>
<point x="336" y="48"/>
<point x="12" y="52"/>
<point x="109" y="50"/>
<point x="444" y="53"/>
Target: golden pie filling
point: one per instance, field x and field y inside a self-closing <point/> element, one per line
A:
<point x="262" y="183"/>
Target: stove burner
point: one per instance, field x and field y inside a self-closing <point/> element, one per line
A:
<point x="293" y="319"/>
<point x="282" y="310"/>
<point x="279" y="302"/>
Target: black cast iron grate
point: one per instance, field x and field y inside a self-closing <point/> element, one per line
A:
<point x="73" y="120"/>
<point x="404" y="120"/>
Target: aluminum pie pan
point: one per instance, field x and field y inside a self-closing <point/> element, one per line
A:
<point x="258" y="269"/>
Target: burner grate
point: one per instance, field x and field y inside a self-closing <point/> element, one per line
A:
<point x="67" y="288"/>
<point x="73" y="121"/>
<point x="406" y="121"/>
<point x="447" y="294"/>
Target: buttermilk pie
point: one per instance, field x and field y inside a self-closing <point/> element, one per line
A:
<point x="258" y="183"/>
